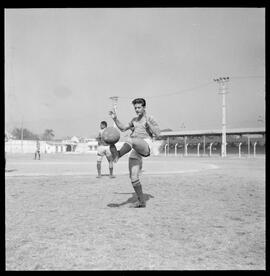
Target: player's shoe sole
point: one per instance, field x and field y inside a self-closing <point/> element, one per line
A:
<point x="138" y="204"/>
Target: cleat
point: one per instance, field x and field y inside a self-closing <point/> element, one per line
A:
<point x="98" y="176"/>
<point x="112" y="176"/>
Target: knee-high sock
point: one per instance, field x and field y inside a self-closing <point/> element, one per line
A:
<point x="99" y="168"/>
<point x="111" y="171"/>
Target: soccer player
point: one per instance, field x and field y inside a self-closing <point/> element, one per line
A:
<point x="37" y="152"/>
<point x="143" y="129"/>
<point x="103" y="150"/>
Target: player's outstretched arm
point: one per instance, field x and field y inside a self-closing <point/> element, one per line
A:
<point x="120" y="125"/>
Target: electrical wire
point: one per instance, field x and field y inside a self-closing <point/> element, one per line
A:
<point x="193" y="88"/>
<point x="174" y="93"/>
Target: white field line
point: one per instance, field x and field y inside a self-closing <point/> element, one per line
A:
<point x="12" y="174"/>
<point x="51" y="163"/>
<point x="70" y="162"/>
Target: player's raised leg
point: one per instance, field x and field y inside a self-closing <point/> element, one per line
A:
<point x="116" y="154"/>
<point x="138" y="144"/>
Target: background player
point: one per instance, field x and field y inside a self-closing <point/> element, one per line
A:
<point x="37" y="152"/>
<point x="103" y="150"/>
<point x="143" y="128"/>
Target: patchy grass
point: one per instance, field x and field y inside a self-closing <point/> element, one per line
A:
<point x="212" y="219"/>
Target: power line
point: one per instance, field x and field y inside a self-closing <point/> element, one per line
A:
<point x="193" y="88"/>
<point x="182" y="91"/>
<point x="174" y="93"/>
<point x="247" y="77"/>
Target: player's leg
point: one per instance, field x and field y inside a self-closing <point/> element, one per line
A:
<point x="134" y="170"/>
<point x="99" y="169"/>
<point x="35" y="155"/>
<point x="38" y="155"/>
<point x="116" y="154"/>
<point x="111" y="169"/>
<point x="138" y="144"/>
<point x="99" y="160"/>
<point x="141" y="146"/>
<point x="109" y="158"/>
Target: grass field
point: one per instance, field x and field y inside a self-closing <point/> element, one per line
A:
<point x="202" y="214"/>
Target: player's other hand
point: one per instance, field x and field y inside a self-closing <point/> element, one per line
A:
<point x="152" y="125"/>
<point x="112" y="113"/>
<point x="147" y="122"/>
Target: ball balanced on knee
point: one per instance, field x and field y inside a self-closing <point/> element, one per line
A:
<point x="111" y="135"/>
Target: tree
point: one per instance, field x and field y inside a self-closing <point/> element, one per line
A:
<point x="16" y="132"/>
<point x="48" y="134"/>
<point x="27" y="134"/>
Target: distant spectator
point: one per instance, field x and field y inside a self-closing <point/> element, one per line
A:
<point x="6" y="140"/>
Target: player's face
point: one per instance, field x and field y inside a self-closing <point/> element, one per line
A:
<point x="139" y="109"/>
<point x="102" y="126"/>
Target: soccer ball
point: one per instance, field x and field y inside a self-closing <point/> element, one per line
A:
<point x="111" y="135"/>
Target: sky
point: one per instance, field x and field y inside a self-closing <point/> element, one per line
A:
<point x="63" y="65"/>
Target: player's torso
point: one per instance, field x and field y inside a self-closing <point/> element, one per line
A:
<point x="139" y="130"/>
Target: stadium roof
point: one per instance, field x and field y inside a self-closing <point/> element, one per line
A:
<point x="230" y="131"/>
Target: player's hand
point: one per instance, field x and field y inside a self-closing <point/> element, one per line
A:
<point x="112" y="113"/>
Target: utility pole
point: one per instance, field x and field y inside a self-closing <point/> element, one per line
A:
<point x="203" y="145"/>
<point x="223" y="90"/>
<point x="114" y="100"/>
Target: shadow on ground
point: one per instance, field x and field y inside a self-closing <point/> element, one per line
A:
<point x="132" y="199"/>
